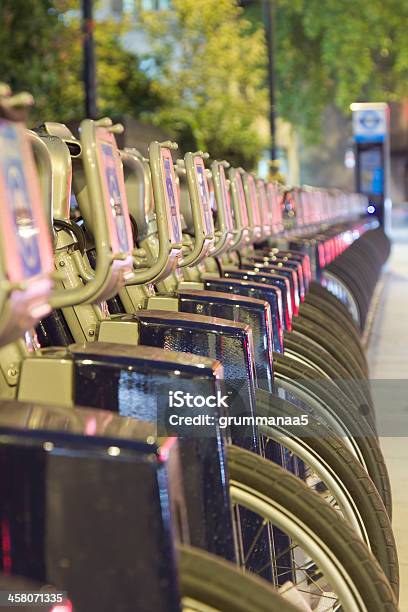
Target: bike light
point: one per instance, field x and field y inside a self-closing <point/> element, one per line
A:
<point x="295" y="294"/>
<point x="64" y="607"/>
<point x="371" y="209"/>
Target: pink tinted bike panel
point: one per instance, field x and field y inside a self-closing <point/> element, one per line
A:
<point x="111" y="171"/>
<point x="264" y="208"/>
<point x="26" y="243"/>
<point x="241" y="197"/>
<point x="277" y="214"/>
<point x="253" y="200"/>
<point x="204" y="194"/>
<point x="171" y="196"/>
<point x="227" y="200"/>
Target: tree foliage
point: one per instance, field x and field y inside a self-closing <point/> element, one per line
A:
<point x="338" y="52"/>
<point x="207" y="80"/>
<point x="209" y="68"/>
<point x="41" y="51"/>
<point x="32" y="50"/>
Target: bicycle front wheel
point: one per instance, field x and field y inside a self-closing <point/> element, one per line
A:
<point x="328" y="561"/>
<point x="210" y="584"/>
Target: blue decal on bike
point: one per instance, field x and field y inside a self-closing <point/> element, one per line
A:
<point x="19" y="200"/>
<point x="115" y="198"/>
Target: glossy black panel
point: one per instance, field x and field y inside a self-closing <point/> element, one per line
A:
<point x="273" y="282"/>
<point x="294" y="256"/>
<point x="91" y="523"/>
<point x="310" y="248"/>
<point x="287" y="272"/>
<point x="115" y="306"/>
<point x="132" y="387"/>
<point x="232" y="347"/>
<point x="256" y="291"/>
<point x="255" y="315"/>
<point x="292" y="265"/>
<point x="54" y="331"/>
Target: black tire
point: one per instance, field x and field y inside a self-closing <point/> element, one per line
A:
<point x="335" y="454"/>
<point x="354" y="283"/>
<point x="317" y="289"/>
<point x="366" y="442"/>
<point x="337" y="314"/>
<point x="221" y="585"/>
<point x="352" y="341"/>
<point x="285" y="489"/>
<point x="332" y="344"/>
<point x="304" y="346"/>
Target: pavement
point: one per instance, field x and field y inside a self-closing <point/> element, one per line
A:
<point x="388" y="359"/>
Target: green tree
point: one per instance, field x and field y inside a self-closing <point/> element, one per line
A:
<point x="338" y="52"/>
<point x="209" y="67"/>
<point x="33" y="50"/>
<point x="41" y="51"/>
<point x="123" y="88"/>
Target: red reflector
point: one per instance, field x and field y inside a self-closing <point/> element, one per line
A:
<point x="289" y="312"/>
<point x="6" y="546"/>
<point x="320" y="250"/>
<point x="301" y="281"/>
<point x="308" y="268"/>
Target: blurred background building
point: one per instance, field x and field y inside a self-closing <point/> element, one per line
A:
<point x="324" y="163"/>
<point x="197" y="72"/>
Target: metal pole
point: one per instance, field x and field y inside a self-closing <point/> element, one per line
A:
<point x="268" y="12"/>
<point x="89" y="66"/>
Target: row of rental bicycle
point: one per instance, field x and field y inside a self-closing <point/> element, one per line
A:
<point x="185" y="418"/>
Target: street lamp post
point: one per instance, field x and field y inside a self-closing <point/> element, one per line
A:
<point x="89" y="62"/>
<point x="268" y="13"/>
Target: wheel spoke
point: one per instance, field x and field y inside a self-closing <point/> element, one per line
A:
<point x="255" y="540"/>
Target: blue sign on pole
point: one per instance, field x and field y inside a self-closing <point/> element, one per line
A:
<point x="372" y="154"/>
<point x="370" y="122"/>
